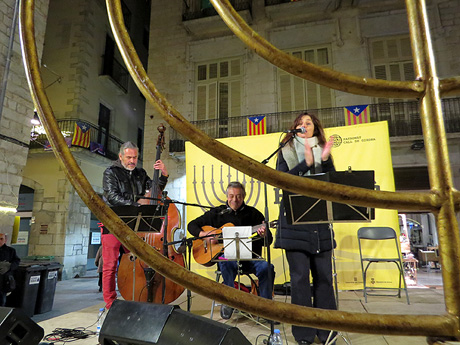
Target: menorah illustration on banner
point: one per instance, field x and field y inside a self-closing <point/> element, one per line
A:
<point x="214" y="180"/>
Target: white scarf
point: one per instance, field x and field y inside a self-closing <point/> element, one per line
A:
<point x="299" y="145"/>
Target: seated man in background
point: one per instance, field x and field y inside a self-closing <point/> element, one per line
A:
<point x="9" y="262"/>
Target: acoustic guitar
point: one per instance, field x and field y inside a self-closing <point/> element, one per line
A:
<point x="208" y="249"/>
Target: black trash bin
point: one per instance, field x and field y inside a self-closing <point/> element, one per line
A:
<point x="24" y="297"/>
<point x="47" y="288"/>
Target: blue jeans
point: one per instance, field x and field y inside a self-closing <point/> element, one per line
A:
<point x="229" y="272"/>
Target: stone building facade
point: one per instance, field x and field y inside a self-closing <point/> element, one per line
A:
<point x="87" y="84"/>
<point x="16" y="107"/>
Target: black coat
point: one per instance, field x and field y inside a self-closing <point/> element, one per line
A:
<point x="244" y="216"/>
<point x="8" y="254"/>
<point x="311" y="238"/>
<point x="121" y="186"/>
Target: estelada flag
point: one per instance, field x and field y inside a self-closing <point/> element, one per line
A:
<point x="81" y="134"/>
<point x="256" y="125"/>
<point x="356" y="114"/>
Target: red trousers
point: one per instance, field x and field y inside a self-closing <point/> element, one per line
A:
<point x="110" y="254"/>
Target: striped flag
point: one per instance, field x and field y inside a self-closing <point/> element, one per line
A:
<point x="81" y="134"/>
<point x="356" y="114"/>
<point x="256" y="125"/>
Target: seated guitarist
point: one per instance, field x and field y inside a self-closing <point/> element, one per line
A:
<point x="238" y="213"/>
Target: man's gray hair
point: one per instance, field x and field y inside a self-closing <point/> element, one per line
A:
<point x="127" y="145"/>
<point x="236" y="184"/>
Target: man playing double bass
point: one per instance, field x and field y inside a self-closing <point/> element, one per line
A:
<point x="123" y="182"/>
<point x="238" y="213"/>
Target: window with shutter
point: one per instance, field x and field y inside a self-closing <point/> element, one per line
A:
<point x="234" y="127"/>
<point x="213" y="71"/>
<point x="224" y="69"/>
<point x="295" y="93"/>
<point x="284" y="92"/>
<point x="218" y="88"/>
<point x="380" y="72"/>
<point x="223" y="100"/>
<point x="235" y="99"/>
<point x="212" y="101"/>
<point x="201" y="104"/>
<point x="235" y="67"/>
<point x="202" y="72"/>
<point x="299" y="93"/>
<point x="391" y="59"/>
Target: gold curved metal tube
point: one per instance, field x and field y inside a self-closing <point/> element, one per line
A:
<point x="317" y="74"/>
<point x="439" y="167"/>
<point x="450" y="86"/>
<point x="324" y="76"/>
<point x="385" y="324"/>
<point x="204" y="286"/>
<point x="456" y="195"/>
<point x="329" y="191"/>
<point x="376" y="323"/>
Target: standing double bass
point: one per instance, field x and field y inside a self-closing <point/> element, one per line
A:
<point x="136" y="280"/>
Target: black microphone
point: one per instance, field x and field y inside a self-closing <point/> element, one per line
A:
<point x="225" y="210"/>
<point x="297" y="130"/>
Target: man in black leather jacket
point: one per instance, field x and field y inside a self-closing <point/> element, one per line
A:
<point x="123" y="183"/>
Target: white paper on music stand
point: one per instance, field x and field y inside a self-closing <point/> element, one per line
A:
<point x="244" y="232"/>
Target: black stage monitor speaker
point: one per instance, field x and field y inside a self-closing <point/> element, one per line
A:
<point x="16" y="328"/>
<point x="137" y="323"/>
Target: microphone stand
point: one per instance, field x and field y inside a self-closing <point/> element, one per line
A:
<point x="189" y="245"/>
<point x="165" y="202"/>
<point x="281" y="145"/>
<point x="269" y="261"/>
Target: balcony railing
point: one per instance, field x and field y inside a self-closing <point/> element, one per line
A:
<point x="194" y="9"/>
<point x="100" y="142"/>
<point x="403" y="120"/>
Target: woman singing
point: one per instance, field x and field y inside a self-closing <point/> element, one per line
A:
<point x="308" y="247"/>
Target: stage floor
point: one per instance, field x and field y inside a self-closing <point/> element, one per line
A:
<point x="77" y="302"/>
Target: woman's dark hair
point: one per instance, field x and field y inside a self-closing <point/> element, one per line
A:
<point x="319" y="131"/>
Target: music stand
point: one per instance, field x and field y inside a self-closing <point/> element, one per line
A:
<point x="238" y="241"/>
<point x="237" y="244"/>
<point x="301" y="209"/>
<point x="144" y="218"/>
<point x="240" y="247"/>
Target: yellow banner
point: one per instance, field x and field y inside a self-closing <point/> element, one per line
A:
<point x="360" y="147"/>
<point x="364" y="147"/>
